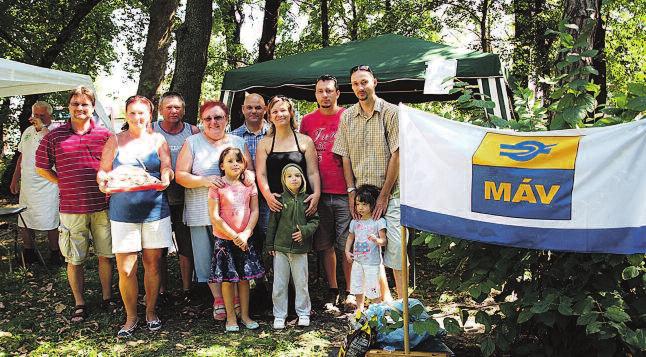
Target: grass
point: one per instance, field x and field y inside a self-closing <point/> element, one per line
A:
<point x="35" y="306"/>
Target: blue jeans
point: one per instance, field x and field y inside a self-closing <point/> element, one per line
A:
<point x="202" y="241"/>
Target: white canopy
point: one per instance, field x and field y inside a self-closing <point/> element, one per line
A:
<point x="18" y="78"/>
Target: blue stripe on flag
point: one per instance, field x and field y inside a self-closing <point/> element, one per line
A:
<point x="628" y="240"/>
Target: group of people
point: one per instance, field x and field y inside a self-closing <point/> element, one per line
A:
<point x="236" y="201"/>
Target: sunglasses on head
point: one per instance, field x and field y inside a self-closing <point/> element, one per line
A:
<point x="361" y="67"/>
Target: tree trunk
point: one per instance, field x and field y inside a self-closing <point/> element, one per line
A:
<point x="522" y="42"/>
<point x="599" y="62"/>
<point x="484" y="37"/>
<point x="267" y="44"/>
<point x="542" y="45"/>
<point x="586" y="15"/>
<point x="325" y="24"/>
<point x="192" y="50"/>
<point x="158" y="40"/>
<point x="232" y="19"/>
<point x="354" y="31"/>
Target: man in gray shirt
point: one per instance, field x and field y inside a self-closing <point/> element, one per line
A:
<point x="175" y="131"/>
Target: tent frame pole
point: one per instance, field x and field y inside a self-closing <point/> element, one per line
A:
<point x="405" y="289"/>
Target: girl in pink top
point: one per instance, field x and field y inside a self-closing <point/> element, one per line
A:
<point x="233" y="209"/>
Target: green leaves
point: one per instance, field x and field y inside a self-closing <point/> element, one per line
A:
<point x="430" y="325"/>
<point x="487" y="346"/>
<point x="638" y="89"/>
<point x="524" y="316"/>
<point x="636" y="259"/>
<point x="637" y="104"/>
<point x="452" y="326"/>
<point x="630" y="272"/>
<point x="637" y="338"/>
<point x="483" y="318"/>
<point x="617" y="314"/>
<point x="587" y="318"/>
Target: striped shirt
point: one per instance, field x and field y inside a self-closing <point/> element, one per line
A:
<point x="369" y="142"/>
<point x="76" y="158"/>
<point x="250" y="138"/>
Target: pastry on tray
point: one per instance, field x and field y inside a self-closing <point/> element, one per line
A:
<point x="131" y="178"/>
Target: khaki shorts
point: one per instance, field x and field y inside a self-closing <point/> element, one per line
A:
<point x="393" y="253"/>
<point x="75" y="231"/>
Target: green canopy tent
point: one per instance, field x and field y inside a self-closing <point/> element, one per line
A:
<point x="398" y="62"/>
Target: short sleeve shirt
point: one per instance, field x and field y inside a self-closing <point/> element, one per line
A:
<point x="234" y="203"/>
<point x="369" y="142"/>
<point x="29" y="143"/>
<point x="206" y="159"/>
<point x="77" y="158"/>
<point x="365" y="251"/>
<point x="322" y="129"/>
<point x="251" y="139"/>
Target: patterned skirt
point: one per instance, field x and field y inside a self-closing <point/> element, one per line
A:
<point x="231" y="264"/>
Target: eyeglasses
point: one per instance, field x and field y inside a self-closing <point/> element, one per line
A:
<point x="216" y="118"/>
<point x="361" y="67"/>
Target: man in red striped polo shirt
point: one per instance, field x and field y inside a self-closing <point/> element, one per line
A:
<point x="69" y="156"/>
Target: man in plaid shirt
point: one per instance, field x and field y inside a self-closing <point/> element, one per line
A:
<point x="368" y="142"/>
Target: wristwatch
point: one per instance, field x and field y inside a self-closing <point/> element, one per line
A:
<point x="351" y="189"/>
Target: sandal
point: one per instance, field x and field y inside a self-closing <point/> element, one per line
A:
<point x="154" y="325"/>
<point x="233" y="328"/>
<point x="108" y="304"/>
<point x="219" y="313"/>
<point x="79" y="313"/>
<point x="128" y="332"/>
<point x="251" y="325"/>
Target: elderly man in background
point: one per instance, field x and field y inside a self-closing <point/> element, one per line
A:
<point x="175" y="131"/>
<point x="36" y="193"/>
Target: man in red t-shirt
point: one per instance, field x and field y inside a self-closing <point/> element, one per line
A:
<point x="69" y="156"/>
<point x="321" y="125"/>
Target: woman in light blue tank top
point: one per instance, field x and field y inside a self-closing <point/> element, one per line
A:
<point x="139" y="221"/>
<point x="197" y="170"/>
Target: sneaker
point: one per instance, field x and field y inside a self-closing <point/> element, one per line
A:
<point x="303" y="321"/>
<point x="350" y="301"/>
<point x="279" y="323"/>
